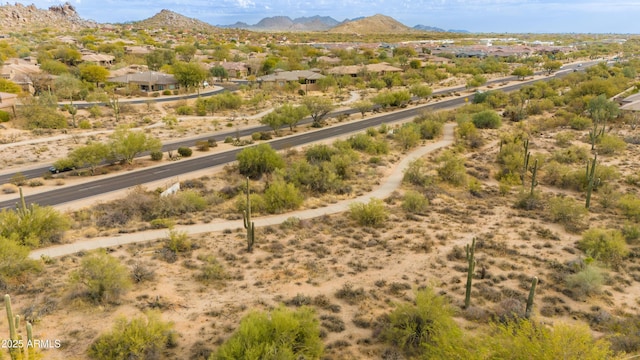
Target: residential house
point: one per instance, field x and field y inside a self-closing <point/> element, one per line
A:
<point x="8" y="102"/>
<point x="235" y="69"/>
<point x="361" y="70"/>
<point x="148" y="81"/>
<point x="99" y="59"/>
<point x="301" y="77"/>
<point x="20" y="72"/>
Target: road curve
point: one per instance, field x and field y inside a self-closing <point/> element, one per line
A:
<point x="389" y="184"/>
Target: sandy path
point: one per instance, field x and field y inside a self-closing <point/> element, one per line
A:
<point x="391" y="183"/>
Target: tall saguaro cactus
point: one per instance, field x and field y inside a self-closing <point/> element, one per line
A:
<point x="17" y="345"/>
<point x="470" y="251"/>
<point x="532" y="293"/>
<point x="527" y="156"/>
<point x="592" y="182"/>
<point x="248" y="224"/>
<point x="534" y="172"/>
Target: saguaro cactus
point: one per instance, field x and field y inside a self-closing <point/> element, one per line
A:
<point x="248" y="224"/>
<point x="532" y="293"/>
<point x="534" y="173"/>
<point x="527" y="156"/>
<point x="470" y="251"/>
<point x="592" y="182"/>
<point x="17" y="345"/>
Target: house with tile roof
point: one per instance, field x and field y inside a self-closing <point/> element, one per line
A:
<point x="147" y="81"/>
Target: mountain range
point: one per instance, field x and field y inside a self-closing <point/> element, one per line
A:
<point x="64" y="16"/>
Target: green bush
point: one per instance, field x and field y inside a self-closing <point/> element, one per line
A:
<point x="14" y="260"/>
<point x="166" y="92"/>
<point x="408" y="135"/>
<point x="527" y="339"/>
<point x="84" y="124"/>
<point x="102" y="277"/>
<point x="580" y="123"/>
<point x="178" y="242"/>
<point x="4" y="116"/>
<point x="414" y="202"/>
<point x="211" y="270"/>
<point x="610" y="145"/>
<point x="417" y="173"/>
<point x="280" y="334"/>
<point x="156" y="155"/>
<point x="567" y="211"/>
<point x="18" y="179"/>
<point x="430" y="129"/>
<point x="425" y="327"/>
<point x="607" y="246"/>
<point x="631" y="232"/>
<point x="141" y="338"/>
<point x="571" y="155"/>
<point x="586" y="282"/>
<point x="185" y="151"/>
<point x="452" y="168"/>
<point x="281" y="196"/>
<point x="257" y="160"/>
<point x="630" y="206"/>
<point x="35" y="226"/>
<point x="372" y="214"/>
<point x="319" y="153"/>
<point x="184" y="110"/>
<point x="202" y="145"/>
<point x="563" y="139"/>
<point x="486" y="119"/>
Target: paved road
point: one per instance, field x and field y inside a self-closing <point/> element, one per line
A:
<point x="39" y="171"/>
<point x="97" y="187"/>
<point x="391" y="183"/>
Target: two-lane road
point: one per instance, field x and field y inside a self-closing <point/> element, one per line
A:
<point x="126" y="180"/>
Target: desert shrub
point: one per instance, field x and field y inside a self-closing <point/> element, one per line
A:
<point x="211" y="270"/>
<point x="452" y="168"/>
<point x="257" y="160"/>
<point x="539" y="106"/>
<point x="566" y="211"/>
<point x="408" y="135"/>
<point x="417" y="173"/>
<point x="141" y="338"/>
<point x="34" y="226"/>
<point x="424" y="327"/>
<point x="320" y="178"/>
<point x="280" y="334"/>
<point x="563" y="139"/>
<point x="524" y="339"/>
<point x="202" y="145"/>
<point x="486" y="119"/>
<point x="368" y="144"/>
<point x="571" y="155"/>
<point x="184" y="110"/>
<point x="430" y="129"/>
<point x="281" y="196"/>
<point x="372" y="214"/>
<point x="319" y="153"/>
<point x="178" y="242"/>
<point x="156" y="155"/>
<point x="344" y="164"/>
<point x="469" y="134"/>
<point x="350" y="294"/>
<point x="607" y="246"/>
<point x="185" y="151"/>
<point x="610" y="144"/>
<point x="631" y="232"/>
<point x="102" y="278"/>
<point x="414" y="202"/>
<point x="586" y="282"/>
<point x="629" y="204"/>
<point x="183" y="202"/>
<point x="528" y="200"/>
<point x="4" y="116"/>
<point x="84" y="124"/>
<point x="580" y="123"/>
<point x="18" y="179"/>
<point x="14" y="260"/>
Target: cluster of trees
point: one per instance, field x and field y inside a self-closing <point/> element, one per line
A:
<point x="124" y="145"/>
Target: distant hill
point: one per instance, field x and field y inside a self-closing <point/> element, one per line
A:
<point x="285" y="23"/>
<point x="377" y="24"/>
<point x="167" y="19"/>
<point x="437" y="29"/>
<point x="62" y="17"/>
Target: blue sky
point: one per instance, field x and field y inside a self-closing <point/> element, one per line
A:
<point x="497" y="16"/>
